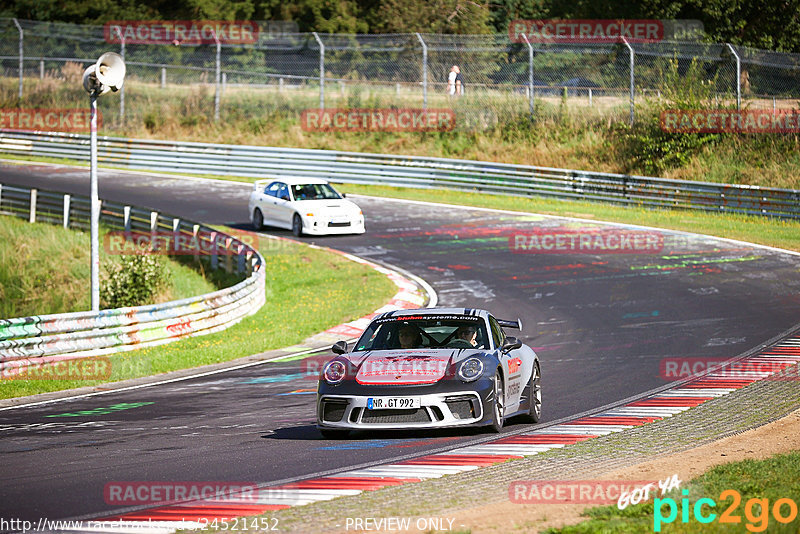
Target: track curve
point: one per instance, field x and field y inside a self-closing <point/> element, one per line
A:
<point x="602" y="323"/>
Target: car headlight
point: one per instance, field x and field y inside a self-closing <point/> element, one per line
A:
<point x="334" y="372"/>
<point x="470" y="370"/>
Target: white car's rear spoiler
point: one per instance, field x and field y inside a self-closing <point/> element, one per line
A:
<point x="510" y="324"/>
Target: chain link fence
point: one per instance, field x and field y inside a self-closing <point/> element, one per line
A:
<point x="502" y="79"/>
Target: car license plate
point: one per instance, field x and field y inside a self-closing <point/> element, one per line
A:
<point x="388" y="403"/>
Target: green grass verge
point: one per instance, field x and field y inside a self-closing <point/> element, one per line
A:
<point x="764" y="481"/>
<point x="307" y="291"/>
<point x="44" y="269"/>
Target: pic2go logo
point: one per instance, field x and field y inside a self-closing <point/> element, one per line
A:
<point x="756" y="511"/>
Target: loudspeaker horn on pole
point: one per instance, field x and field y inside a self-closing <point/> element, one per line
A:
<point x="108" y="74"/>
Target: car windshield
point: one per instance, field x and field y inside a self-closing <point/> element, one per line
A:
<point x="424" y="331"/>
<point x="314" y="192"/>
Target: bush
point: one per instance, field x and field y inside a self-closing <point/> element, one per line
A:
<point x="135" y="281"/>
<point x="647" y="146"/>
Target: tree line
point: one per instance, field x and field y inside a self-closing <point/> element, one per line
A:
<point x="769" y="24"/>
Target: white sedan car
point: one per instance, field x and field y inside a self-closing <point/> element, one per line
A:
<point x="304" y="206"/>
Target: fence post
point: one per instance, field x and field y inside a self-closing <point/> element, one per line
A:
<point x="631" y="52"/>
<point x="21" y="54"/>
<point x="66" y="210"/>
<point x="738" y="76"/>
<point x="424" y="72"/>
<point x="41" y="69"/>
<point x="218" y="68"/>
<point x="530" y="74"/>
<point x="32" y="214"/>
<point x="321" y="71"/>
<point x="163" y="77"/>
<point x="121" y="89"/>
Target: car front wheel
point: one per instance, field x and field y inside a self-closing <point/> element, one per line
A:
<point x="297" y="225"/>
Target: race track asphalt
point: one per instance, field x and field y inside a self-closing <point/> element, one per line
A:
<point x="605" y="324"/>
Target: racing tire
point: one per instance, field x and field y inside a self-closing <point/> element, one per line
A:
<point x="534" y="414"/>
<point x="297" y="225"/>
<point x="497" y="404"/>
<point x="331" y="433"/>
<point x="258" y="220"/>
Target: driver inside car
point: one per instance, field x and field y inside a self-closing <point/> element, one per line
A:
<point x="409" y="337"/>
<point x="468" y="333"/>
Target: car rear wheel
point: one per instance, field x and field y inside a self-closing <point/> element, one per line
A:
<point x="535" y="394"/>
<point x="258" y="219"/>
<point x="297" y="225"/>
<point x="497" y="404"/>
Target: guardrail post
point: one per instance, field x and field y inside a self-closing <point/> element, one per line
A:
<point x="249" y="264"/>
<point x="214" y="255"/>
<point x="32" y="215"/>
<point x="240" y="258"/>
<point x="321" y="71"/>
<point x="228" y="259"/>
<point x="176" y="232"/>
<point x="21" y="54"/>
<point x="67" y="199"/>
<point x="126" y="218"/>
<point x="153" y="229"/>
<point x="196" y="236"/>
<point x="424" y="72"/>
<point x="631" y="52"/>
<point x="738" y="76"/>
<point x="530" y="74"/>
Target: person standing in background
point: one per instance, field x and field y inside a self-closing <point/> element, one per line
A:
<point x="459" y="81"/>
<point x="451" y="80"/>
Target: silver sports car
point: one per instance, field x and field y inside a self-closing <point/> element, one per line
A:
<point x="429" y="368"/>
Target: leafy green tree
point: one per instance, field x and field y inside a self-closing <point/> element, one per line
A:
<point x="433" y="16"/>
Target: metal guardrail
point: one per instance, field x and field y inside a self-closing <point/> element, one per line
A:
<point x="37" y="340"/>
<point x="410" y="171"/>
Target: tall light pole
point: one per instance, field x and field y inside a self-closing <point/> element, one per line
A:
<point x="108" y="74"/>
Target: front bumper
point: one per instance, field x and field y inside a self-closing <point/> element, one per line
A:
<point x="323" y="226"/>
<point x="442" y="409"/>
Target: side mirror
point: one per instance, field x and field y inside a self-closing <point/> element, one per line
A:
<point x="511" y="343"/>
<point x="340" y="347"/>
<point x="344" y="195"/>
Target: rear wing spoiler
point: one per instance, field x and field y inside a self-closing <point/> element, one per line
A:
<point x="510" y="324"/>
